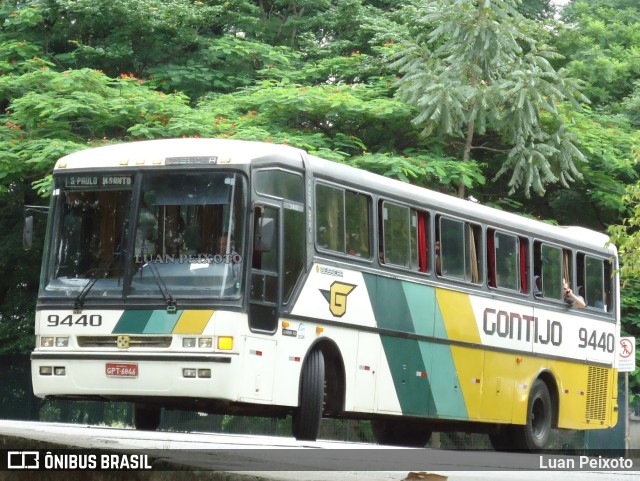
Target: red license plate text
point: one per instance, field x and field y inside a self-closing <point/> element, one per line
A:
<point x="121" y="370"/>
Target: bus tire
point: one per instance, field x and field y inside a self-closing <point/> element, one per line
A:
<point x="534" y="435"/>
<point x="307" y="417"/>
<point x="146" y="418"/>
<point x="400" y="433"/>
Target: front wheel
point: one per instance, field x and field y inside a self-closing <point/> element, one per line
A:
<point x="307" y="417"/>
<point x="534" y="435"/>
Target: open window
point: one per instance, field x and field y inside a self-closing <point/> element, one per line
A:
<point x="457" y="246"/>
<point x="552" y="268"/>
<point x="595" y="281"/>
<point x="507" y="261"/>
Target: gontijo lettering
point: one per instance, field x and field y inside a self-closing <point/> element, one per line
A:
<point x="522" y="327"/>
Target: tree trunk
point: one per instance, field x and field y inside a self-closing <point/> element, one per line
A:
<point x="466" y="157"/>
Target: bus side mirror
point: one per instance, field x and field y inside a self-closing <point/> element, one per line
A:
<point x="27" y="233"/>
<point x="264" y="234"/>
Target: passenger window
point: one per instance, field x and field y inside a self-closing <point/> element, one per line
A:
<point x="279" y="183"/>
<point x="330" y="218"/>
<point x="552" y="268"/>
<point x="357" y="219"/>
<point x="342" y="221"/>
<point x="400" y="235"/>
<point x="504" y="271"/>
<point x="551" y="272"/>
<point x="457" y="247"/>
<point x="594" y="277"/>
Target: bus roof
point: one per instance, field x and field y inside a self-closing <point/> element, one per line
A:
<point x="154" y="153"/>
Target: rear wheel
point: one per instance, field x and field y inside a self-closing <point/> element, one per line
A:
<point x="307" y="417"/>
<point x="146" y="418"/>
<point x="400" y="433"/>
<point x="534" y="435"/>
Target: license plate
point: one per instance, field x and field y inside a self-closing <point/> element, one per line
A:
<point x="121" y="370"/>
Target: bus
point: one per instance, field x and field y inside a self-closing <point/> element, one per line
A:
<point x="247" y="278"/>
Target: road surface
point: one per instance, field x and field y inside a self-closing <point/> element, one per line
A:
<point x="239" y="457"/>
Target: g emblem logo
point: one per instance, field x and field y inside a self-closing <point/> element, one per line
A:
<point x="337" y="297"/>
<point x="123" y="342"/>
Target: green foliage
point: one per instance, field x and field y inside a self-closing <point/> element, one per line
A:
<point x="601" y="42"/>
<point x="428" y="170"/>
<point x="477" y="70"/>
<point x="631" y="106"/>
<point x="536" y="9"/>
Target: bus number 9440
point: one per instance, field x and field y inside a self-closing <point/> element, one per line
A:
<point x="94" y="320"/>
<point x="605" y="341"/>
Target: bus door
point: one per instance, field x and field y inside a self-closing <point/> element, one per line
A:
<point x="264" y="288"/>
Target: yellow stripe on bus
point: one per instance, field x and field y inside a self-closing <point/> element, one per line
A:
<point x="192" y="322"/>
<point x="458" y="317"/>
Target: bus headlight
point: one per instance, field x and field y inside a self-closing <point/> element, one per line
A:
<point x="206" y="342"/>
<point x="189" y="342"/>
<point x="62" y="342"/>
<point x="46" y="341"/>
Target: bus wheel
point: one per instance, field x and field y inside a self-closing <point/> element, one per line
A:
<point x="400" y="433"/>
<point x="534" y="435"/>
<point x="307" y="417"/>
<point x="146" y="418"/>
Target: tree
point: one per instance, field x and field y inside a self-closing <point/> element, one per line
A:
<point x="477" y="71"/>
<point x="627" y="235"/>
<point x="601" y="42"/>
<point x="537" y="9"/>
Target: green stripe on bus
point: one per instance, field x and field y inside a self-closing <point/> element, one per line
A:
<point x="422" y="305"/>
<point x="389" y="303"/>
<point x="161" y="322"/>
<point x="403" y="356"/>
<point x="448" y="397"/>
<point x="132" y="322"/>
<point x="440" y="329"/>
<point x="406" y="363"/>
<point x="423" y="373"/>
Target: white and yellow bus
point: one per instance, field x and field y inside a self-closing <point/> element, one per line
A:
<point x="254" y="279"/>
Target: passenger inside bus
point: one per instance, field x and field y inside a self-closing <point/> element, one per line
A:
<point x="537" y="286"/>
<point x="571" y="298"/>
<point x="438" y="264"/>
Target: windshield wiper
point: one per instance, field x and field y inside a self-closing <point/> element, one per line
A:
<point x="166" y="295"/>
<point x="77" y="305"/>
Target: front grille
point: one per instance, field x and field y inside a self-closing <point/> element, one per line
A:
<point x="134" y="341"/>
<point x="597" y="388"/>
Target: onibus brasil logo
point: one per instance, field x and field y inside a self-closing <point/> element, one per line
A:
<point x="336" y="296"/>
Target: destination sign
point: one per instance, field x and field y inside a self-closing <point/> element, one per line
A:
<point x="106" y="181"/>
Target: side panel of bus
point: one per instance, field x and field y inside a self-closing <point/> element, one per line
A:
<point x="451" y="355"/>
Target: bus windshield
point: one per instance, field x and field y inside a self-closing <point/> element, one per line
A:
<point x="184" y="237"/>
